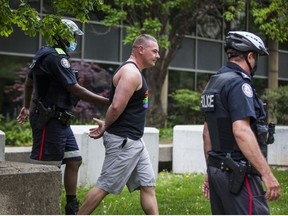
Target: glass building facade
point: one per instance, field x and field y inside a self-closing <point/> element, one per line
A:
<point x="200" y="55"/>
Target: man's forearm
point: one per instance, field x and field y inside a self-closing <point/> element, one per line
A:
<point x="28" y="93"/>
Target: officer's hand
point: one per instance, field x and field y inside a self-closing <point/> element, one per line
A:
<point x="272" y="187"/>
<point x="23" y="115"/>
<point x="205" y="187"/>
<point x="98" y="132"/>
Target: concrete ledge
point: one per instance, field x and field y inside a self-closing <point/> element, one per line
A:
<point x="2" y="146"/>
<point x="165" y="152"/>
<point x="18" y="154"/>
<point x="93" y="152"/>
<point x="188" y="154"/>
<point x="29" y="189"/>
<point x="277" y="152"/>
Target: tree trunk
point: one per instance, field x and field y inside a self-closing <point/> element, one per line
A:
<point x="273" y="71"/>
<point x="273" y="64"/>
<point x="155" y="78"/>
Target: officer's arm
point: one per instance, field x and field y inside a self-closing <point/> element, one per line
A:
<point x="86" y="95"/>
<point x="28" y="92"/>
<point x="206" y="140"/>
<point x="248" y="145"/>
<point x="24" y="112"/>
<point x="207" y="147"/>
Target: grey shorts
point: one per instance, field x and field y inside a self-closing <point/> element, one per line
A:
<point x="126" y="162"/>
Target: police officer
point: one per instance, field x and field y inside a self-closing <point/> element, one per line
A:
<point x="235" y="163"/>
<point x="56" y="91"/>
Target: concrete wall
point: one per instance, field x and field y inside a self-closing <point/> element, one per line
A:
<point x="278" y="151"/>
<point x="29" y="189"/>
<point x="2" y="146"/>
<point x="93" y="152"/>
<point x="188" y="155"/>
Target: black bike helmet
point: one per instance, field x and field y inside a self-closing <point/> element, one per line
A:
<point x="244" y="42"/>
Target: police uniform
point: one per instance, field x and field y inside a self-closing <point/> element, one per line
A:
<point x="228" y="97"/>
<point x="51" y="72"/>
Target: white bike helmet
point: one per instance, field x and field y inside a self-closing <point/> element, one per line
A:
<point x="245" y="41"/>
<point x="72" y="26"/>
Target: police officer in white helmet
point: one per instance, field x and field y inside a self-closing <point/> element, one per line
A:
<point x="56" y="91"/>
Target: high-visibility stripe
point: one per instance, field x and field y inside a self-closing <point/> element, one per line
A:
<point x="60" y="51"/>
<point x="250" y="206"/>
<point x="42" y="143"/>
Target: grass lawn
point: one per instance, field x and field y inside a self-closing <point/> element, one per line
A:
<point x="176" y="195"/>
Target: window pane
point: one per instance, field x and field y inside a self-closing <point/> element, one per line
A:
<point x="185" y="57"/>
<point x="262" y="66"/>
<point x="283" y="65"/>
<point x="180" y="80"/>
<point x="19" y="42"/>
<point x="101" y="43"/>
<point x="209" y="55"/>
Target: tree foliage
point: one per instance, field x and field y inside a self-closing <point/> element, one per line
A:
<point x="271" y="17"/>
<point x="168" y="20"/>
<point x="31" y="22"/>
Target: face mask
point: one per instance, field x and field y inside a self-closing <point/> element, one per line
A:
<point x="72" y="47"/>
<point x="253" y="70"/>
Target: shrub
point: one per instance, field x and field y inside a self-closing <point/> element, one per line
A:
<point x="16" y="134"/>
<point x="185" y="107"/>
<point x="277" y="104"/>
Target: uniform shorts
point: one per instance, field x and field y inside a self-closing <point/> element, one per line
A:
<point x="55" y="142"/>
<point x="126" y="162"/>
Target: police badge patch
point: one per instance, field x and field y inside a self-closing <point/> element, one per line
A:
<point x="247" y="90"/>
<point x="65" y="63"/>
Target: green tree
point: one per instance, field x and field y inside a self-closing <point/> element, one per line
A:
<point x="168" y="20"/>
<point x="30" y="22"/>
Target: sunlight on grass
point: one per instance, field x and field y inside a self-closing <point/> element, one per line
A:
<point x="176" y="195"/>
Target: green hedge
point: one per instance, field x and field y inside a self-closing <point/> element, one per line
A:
<point x="16" y="134"/>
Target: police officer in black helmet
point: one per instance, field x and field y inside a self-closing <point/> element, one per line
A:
<point x="236" y="166"/>
<point x="56" y="91"/>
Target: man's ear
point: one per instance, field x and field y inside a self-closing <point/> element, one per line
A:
<point x="251" y="55"/>
<point x="141" y="49"/>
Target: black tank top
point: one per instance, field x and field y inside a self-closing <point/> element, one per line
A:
<point x="131" y="122"/>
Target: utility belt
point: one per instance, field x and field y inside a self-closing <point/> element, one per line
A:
<point x="238" y="170"/>
<point x="220" y="164"/>
<point x="47" y="113"/>
<point x="63" y="116"/>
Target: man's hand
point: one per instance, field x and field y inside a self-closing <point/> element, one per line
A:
<point x="98" y="132"/>
<point x="23" y="115"/>
<point x="205" y="187"/>
<point x="272" y="187"/>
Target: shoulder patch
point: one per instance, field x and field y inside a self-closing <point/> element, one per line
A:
<point x="60" y="51"/>
<point x="65" y="63"/>
<point x="247" y="90"/>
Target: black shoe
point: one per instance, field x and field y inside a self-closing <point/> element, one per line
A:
<point x="72" y="208"/>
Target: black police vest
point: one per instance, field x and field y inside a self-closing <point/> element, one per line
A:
<point x="47" y="91"/>
<point x="217" y="115"/>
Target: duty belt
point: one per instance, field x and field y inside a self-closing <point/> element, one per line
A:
<point x="63" y="116"/>
<point x="220" y="164"/>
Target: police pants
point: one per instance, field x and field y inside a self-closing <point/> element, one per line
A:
<point x="250" y="200"/>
